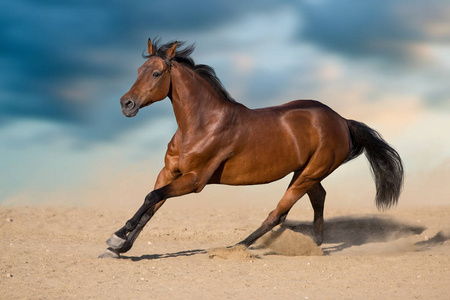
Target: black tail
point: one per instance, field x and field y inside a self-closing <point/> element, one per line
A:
<point x="386" y="163"/>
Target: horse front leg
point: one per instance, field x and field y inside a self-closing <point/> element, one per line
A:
<point x="123" y="239"/>
<point x="120" y="236"/>
<point x="118" y="245"/>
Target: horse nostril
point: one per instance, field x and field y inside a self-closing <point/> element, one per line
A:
<point x="129" y="104"/>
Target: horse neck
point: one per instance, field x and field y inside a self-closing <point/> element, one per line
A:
<point x="194" y="100"/>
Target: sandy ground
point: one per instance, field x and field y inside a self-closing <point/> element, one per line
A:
<point x="50" y="252"/>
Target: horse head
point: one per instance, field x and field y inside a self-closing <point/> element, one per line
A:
<point x="153" y="81"/>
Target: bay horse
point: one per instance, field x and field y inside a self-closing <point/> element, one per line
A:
<point x="220" y="141"/>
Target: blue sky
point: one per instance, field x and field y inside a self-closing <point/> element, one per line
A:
<point x="65" y="64"/>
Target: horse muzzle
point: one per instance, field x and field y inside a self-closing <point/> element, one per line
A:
<point x="129" y="107"/>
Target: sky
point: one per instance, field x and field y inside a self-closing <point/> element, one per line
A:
<point x="65" y="65"/>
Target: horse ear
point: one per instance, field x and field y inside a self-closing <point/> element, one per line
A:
<point x="150" y="48"/>
<point x="172" y="51"/>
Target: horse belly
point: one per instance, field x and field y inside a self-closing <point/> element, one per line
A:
<point x="260" y="164"/>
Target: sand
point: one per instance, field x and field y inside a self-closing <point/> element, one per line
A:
<point x="50" y="252"/>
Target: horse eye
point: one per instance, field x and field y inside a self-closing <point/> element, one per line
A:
<point x="156" y="74"/>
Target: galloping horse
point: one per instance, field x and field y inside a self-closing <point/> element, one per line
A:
<point x="220" y="141"/>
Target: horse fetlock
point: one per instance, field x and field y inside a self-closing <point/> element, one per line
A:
<point x="152" y="198"/>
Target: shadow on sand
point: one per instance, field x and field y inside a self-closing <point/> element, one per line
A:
<point x="345" y="232"/>
<point x="166" y="255"/>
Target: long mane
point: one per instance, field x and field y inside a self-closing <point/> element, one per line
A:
<point x="183" y="56"/>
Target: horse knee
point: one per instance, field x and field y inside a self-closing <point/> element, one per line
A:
<point x="150" y="198"/>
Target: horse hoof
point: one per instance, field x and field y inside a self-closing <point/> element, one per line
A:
<point x="318" y="240"/>
<point x="109" y="254"/>
<point x="115" y="242"/>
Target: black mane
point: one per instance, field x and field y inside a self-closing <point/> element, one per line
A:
<point x="183" y="56"/>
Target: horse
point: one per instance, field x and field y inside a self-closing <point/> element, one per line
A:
<point x="221" y="141"/>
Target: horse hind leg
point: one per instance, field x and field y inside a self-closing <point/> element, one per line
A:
<point x="317" y="195"/>
<point x="271" y="221"/>
<point x="298" y="187"/>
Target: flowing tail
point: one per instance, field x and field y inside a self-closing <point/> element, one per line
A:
<point x="386" y="164"/>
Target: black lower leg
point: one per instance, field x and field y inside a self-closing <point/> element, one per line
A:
<point x="150" y="200"/>
<point x="266" y="226"/>
<point x="317" y="196"/>
<point x="132" y="236"/>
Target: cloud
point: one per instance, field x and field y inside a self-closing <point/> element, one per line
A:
<point x="63" y="60"/>
<point x="69" y="62"/>
<point x="392" y="30"/>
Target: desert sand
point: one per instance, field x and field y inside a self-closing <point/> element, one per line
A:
<point x="50" y="252"/>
